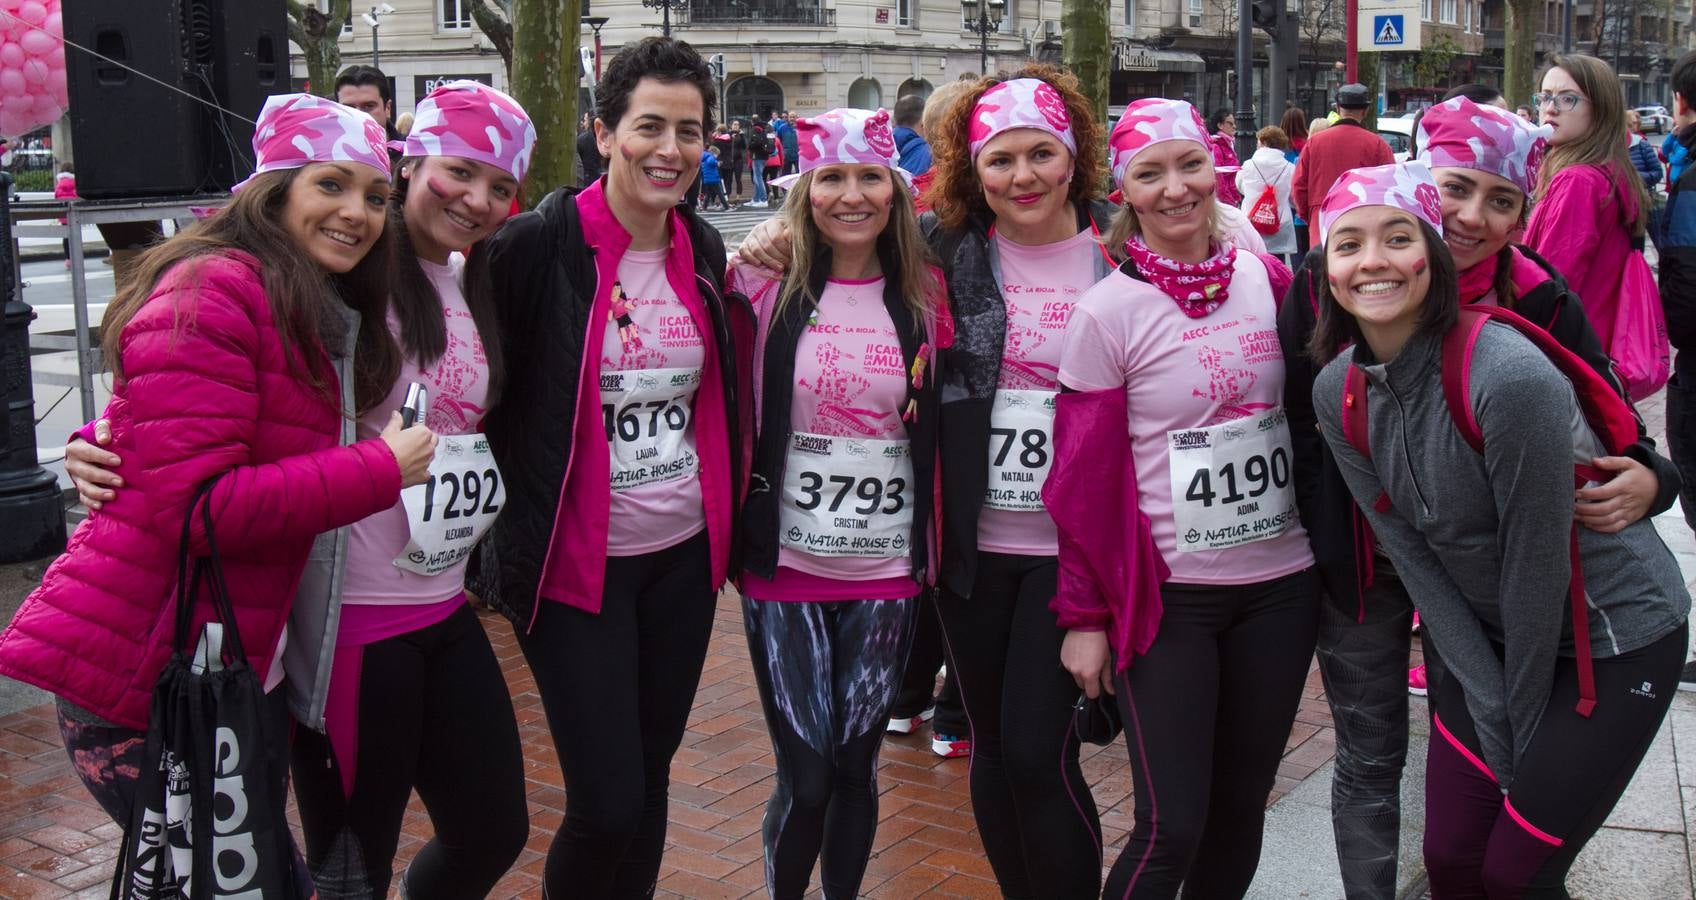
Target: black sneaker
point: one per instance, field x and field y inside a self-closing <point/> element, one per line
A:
<point x="1687" y="681"/>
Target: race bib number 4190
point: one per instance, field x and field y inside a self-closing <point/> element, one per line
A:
<point x="847" y="496"/>
<point x="1231" y="482"/>
<point x="646" y="413"/>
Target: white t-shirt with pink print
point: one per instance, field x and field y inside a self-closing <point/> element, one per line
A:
<point x="652" y="354"/>
<point x="1040" y="286"/>
<point x="1182" y="376"/>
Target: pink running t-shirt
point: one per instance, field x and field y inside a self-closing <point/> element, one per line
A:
<point x="651" y="330"/>
<point x="458" y="386"/>
<point x="1040" y="285"/>
<point x="1182" y="373"/>
<point x="850" y="382"/>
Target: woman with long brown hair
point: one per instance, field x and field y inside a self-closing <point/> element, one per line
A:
<point x="242" y="351"/>
<point x="1591" y="209"/>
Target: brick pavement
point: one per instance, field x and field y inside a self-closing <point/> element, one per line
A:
<point x="55" y="842"/>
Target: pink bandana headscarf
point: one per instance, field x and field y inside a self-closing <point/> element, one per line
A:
<point x="845" y="137"/>
<point x="1021" y="103"/>
<point x="1406" y="186"/>
<point x="295" y="130"/>
<point x="1461" y="133"/>
<point x="1148" y="122"/>
<point x="473" y="121"/>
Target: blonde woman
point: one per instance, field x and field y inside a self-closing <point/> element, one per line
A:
<point x="838" y="526"/>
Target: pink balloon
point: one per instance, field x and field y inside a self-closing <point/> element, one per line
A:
<point x="10" y="5"/>
<point x="55" y="23"/>
<point x="18" y="103"/>
<point x="61" y="91"/>
<point x="38" y="43"/>
<point x="47" y="110"/>
<point x="33" y="12"/>
<point x="11" y="55"/>
<point x="13" y="124"/>
<point x="35" y="72"/>
<point x="12" y="82"/>
<point x="56" y="59"/>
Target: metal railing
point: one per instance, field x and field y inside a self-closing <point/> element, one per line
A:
<point x="726" y="12"/>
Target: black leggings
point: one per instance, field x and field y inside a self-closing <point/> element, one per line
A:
<point x="617" y="688"/>
<point x="1480" y="844"/>
<point x="1034" y="810"/>
<point x="1241" y="653"/>
<point x="918" y="687"/>
<point x="827" y="674"/>
<point x="434" y="714"/>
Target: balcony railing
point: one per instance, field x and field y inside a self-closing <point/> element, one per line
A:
<point x="733" y="12"/>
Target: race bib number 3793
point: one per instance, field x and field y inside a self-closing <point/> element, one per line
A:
<point x="847" y="496"/>
<point x="1231" y="483"/>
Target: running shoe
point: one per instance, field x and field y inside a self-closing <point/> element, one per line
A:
<point x="1416" y="681"/>
<point x="949" y="746"/>
<point x="1687" y="681"/>
<point x="910" y="725"/>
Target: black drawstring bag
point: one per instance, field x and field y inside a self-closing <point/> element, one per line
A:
<point x="1096" y="721"/>
<point x="209" y="816"/>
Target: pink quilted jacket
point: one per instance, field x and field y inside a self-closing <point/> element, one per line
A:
<point x="211" y="395"/>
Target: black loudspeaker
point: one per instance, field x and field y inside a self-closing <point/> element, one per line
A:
<point x="214" y="61"/>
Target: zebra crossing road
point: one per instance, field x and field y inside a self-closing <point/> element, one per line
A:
<point x="736" y="223"/>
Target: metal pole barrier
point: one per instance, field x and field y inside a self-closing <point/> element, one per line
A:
<point x="29" y="495"/>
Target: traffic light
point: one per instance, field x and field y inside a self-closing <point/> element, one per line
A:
<point x="716" y="64"/>
<point x="1268" y="15"/>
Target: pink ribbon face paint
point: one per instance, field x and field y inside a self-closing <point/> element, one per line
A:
<point x="435" y="187"/>
<point x="1419" y="267"/>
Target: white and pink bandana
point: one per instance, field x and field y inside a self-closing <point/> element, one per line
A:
<point x="296" y="130"/>
<point x="1020" y="103"/>
<point x="1148" y="122"/>
<point x="1406" y="186"/>
<point x="472" y="121"/>
<point x="1461" y="133"/>
<point x="845" y="137"/>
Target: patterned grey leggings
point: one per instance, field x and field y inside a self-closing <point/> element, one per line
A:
<point x="828" y="674"/>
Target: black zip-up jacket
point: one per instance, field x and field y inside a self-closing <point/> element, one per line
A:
<point x="1328" y="512"/>
<point x="1678" y="252"/>
<point x="969" y="373"/>
<point x="545" y="281"/>
<point x="760" y="514"/>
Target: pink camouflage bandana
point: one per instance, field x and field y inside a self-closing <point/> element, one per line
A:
<point x="845" y="137"/>
<point x="471" y="120"/>
<point x="1461" y="133"/>
<point x="296" y="130"/>
<point x="1148" y="122"/>
<point x="1020" y="103"/>
<point x="1406" y="186"/>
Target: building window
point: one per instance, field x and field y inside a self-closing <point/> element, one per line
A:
<point x="1010" y="17"/>
<point x="865" y="93"/>
<point x="1449" y="12"/>
<point x="1131" y="14"/>
<point x="904" y="13"/>
<point x="456" y="15"/>
<point x="1467" y="14"/>
<point x="1195" y="13"/>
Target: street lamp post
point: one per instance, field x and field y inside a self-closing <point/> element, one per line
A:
<point x="597" y="23"/>
<point x="665" y="7"/>
<point x="983" y="17"/>
<point x="371" y="19"/>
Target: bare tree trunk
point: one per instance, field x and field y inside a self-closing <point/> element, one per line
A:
<point x="1086" y="48"/>
<point x="315" y="33"/>
<point x="544" y="82"/>
<point x="1519" y="56"/>
<point x="498" y="29"/>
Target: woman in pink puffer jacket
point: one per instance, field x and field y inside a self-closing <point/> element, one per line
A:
<point x="232" y="353"/>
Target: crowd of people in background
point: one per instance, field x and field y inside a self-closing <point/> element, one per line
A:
<point x="1120" y="428"/>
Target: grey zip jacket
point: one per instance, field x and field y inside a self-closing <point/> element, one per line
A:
<point x="1481" y="540"/>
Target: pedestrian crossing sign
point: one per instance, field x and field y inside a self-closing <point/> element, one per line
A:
<point x="1387" y="31"/>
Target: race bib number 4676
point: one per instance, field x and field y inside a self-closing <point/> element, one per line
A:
<point x="1231" y="483"/>
<point x="646" y="413"/>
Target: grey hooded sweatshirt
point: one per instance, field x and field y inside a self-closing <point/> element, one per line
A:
<point x="1481" y="540"/>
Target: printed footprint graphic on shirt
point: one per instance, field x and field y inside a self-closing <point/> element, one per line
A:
<point x="1226" y="386"/>
<point x="455" y="376"/>
<point x="837" y="388"/>
<point x="1022" y="342"/>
